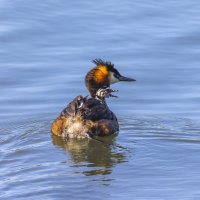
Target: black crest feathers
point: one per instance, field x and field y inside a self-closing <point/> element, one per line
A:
<point x="101" y="62"/>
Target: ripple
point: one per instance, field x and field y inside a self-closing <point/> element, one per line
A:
<point x="166" y="128"/>
<point x="45" y="51"/>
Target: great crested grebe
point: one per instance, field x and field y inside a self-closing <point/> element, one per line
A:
<point x="89" y="117"/>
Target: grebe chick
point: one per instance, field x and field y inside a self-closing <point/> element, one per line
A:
<point x="90" y="116"/>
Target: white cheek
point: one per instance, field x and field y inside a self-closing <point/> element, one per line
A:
<point x="113" y="79"/>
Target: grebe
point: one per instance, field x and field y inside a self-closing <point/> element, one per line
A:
<point x="89" y="117"/>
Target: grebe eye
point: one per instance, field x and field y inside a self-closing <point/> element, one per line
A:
<point x="116" y="76"/>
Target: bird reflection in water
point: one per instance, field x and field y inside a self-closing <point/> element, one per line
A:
<point x="97" y="157"/>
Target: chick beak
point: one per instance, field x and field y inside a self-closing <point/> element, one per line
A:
<point x="123" y="78"/>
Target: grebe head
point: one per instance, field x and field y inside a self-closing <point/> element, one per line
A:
<point x="103" y="75"/>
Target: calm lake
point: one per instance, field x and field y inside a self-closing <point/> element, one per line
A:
<point x="46" y="50"/>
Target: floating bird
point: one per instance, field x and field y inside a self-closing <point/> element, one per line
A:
<point x="91" y="116"/>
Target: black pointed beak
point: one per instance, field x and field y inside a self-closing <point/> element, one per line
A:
<point x="123" y="78"/>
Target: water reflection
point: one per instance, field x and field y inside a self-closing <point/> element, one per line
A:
<point x="97" y="157"/>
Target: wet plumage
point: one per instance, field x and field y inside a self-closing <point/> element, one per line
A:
<point x="90" y="116"/>
<point x="85" y="117"/>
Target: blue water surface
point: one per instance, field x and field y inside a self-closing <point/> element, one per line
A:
<point x="46" y="50"/>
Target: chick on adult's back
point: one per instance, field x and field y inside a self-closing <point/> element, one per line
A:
<point x="88" y="117"/>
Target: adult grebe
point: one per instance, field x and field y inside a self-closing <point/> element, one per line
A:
<point x="89" y="117"/>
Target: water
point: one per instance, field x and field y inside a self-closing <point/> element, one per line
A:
<point x="46" y="49"/>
